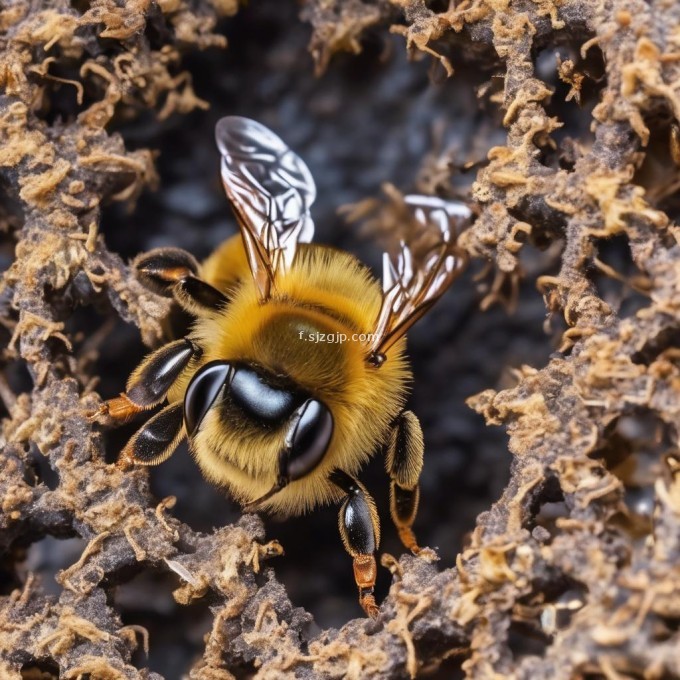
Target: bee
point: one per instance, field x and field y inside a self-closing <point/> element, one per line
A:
<point x="294" y="371"/>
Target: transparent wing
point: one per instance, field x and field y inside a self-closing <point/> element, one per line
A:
<point x="271" y="190"/>
<point x="412" y="285"/>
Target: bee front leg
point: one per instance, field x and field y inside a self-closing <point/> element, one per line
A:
<point x="360" y="532"/>
<point x="156" y="440"/>
<point x="404" y="464"/>
<point x="151" y="380"/>
<point x="173" y="272"/>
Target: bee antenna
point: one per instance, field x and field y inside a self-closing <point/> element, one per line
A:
<point x="253" y="505"/>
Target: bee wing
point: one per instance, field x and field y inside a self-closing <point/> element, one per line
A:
<point x="412" y="285"/>
<point x="271" y="190"/>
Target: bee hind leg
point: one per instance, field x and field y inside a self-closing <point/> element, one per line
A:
<point x="151" y="380"/>
<point x="360" y="532"/>
<point x="156" y="440"/>
<point x="173" y="272"/>
<point x="404" y="463"/>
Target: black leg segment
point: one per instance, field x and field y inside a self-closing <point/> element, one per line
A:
<point x="173" y="272"/>
<point x="156" y="440"/>
<point x="403" y="504"/>
<point x="360" y="532"/>
<point x="356" y="520"/>
<point x="160" y="269"/>
<point x="151" y="380"/>
<point x="198" y="297"/>
<point x="404" y="464"/>
<point x="149" y="384"/>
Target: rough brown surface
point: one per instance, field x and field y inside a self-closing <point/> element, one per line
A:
<point x="572" y="569"/>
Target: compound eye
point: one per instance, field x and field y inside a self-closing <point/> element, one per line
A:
<point x="202" y="392"/>
<point x="308" y="438"/>
<point x="260" y="401"/>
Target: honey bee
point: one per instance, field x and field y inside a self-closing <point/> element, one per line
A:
<point x="294" y="371"/>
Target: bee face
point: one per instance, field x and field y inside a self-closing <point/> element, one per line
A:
<point x="256" y="404"/>
<point x="298" y="345"/>
<point x="294" y="372"/>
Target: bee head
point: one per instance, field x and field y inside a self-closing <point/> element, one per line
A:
<point x="251" y="396"/>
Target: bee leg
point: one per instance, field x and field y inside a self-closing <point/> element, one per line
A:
<point x="156" y="440"/>
<point x="404" y="463"/>
<point x="173" y="272"/>
<point x="151" y="380"/>
<point x="360" y="532"/>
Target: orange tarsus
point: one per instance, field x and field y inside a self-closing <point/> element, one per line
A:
<point x="367" y="602"/>
<point x="408" y="538"/>
<point x="126" y="459"/>
<point x="365" y="571"/>
<point x="119" y="408"/>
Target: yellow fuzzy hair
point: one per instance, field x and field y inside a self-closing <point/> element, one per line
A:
<point x="326" y="291"/>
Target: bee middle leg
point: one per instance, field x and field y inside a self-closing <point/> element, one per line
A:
<point x="173" y="272"/>
<point x="151" y="380"/>
<point x="404" y="464"/>
<point x="360" y="532"/>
